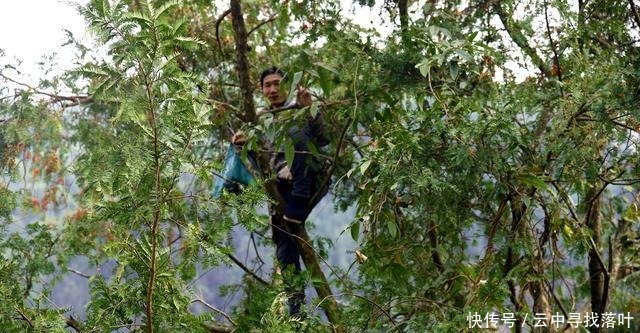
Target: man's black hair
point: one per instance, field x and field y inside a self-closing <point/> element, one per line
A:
<point x="269" y="71"/>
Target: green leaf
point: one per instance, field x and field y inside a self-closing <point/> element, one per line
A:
<point x="424" y="68"/>
<point x="464" y="55"/>
<point x="453" y="69"/>
<point x="190" y="40"/>
<point x="533" y="180"/>
<point x="294" y="85"/>
<point x="393" y="229"/>
<point x="164" y="8"/>
<point x="327" y="67"/>
<point x="355" y="230"/>
<point x="364" y="166"/>
<point x="289" y="151"/>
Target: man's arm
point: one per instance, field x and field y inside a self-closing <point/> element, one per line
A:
<point x="315" y="124"/>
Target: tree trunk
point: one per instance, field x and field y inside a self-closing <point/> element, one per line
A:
<point x="242" y="64"/>
<point x="596" y="271"/>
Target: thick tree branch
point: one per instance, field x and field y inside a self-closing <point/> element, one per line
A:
<point x="213" y="328"/>
<point x="404" y="16"/>
<point x="520" y="39"/>
<point x="242" y="63"/>
<point x="634" y="11"/>
<point x="71" y="322"/>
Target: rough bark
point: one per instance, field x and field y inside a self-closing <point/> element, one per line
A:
<point x="404" y="15"/>
<point x="596" y="270"/>
<point x="242" y="63"/>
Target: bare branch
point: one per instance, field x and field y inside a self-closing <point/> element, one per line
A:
<point x="378" y="306"/>
<point x="247" y="270"/>
<point x="86" y="276"/>
<point x="213" y="308"/>
<point x="217" y="329"/>
<point x="78" y="99"/>
<point x="25" y="318"/>
<point x="71" y="322"/>
<point x="218" y="21"/>
<point x="556" y="59"/>
<point x="269" y="20"/>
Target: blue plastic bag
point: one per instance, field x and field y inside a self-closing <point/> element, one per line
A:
<point x="235" y="174"/>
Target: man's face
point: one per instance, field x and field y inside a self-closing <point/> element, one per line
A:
<point x="271" y="89"/>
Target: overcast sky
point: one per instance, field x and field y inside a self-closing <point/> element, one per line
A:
<point x="30" y="29"/>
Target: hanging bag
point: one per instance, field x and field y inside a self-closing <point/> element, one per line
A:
<point x="235" y="175"/>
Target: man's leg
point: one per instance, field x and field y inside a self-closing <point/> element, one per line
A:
<point x="288" y="255"/>
<point x="304" y="171"/>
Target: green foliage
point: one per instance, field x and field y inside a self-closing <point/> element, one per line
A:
<point x="484" y="167"/>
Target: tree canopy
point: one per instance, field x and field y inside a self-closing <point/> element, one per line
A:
<point x="490" y="149"/>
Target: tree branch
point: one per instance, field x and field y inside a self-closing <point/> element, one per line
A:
<point x="242" y="63"/>
<point x="269" y="20"/>
<point x="71" y="322"/>
<point x="636" y="17"/>
<point x="519" y="38"/>
<point x="556" y="59"/>
<point x="217" y="329"/>
<point x="213" y="308"/>
<point x="218" y="21"/>
<point x="86" y="276"/>
<point x="247" y="270"/>
<point x="77" y="99"/>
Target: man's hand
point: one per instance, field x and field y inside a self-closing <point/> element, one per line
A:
<point x="304" y="97"/>
<point x="239" y="138"/>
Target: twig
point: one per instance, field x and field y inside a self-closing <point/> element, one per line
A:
<point x="71" y="322"/>
<point x="556" y="59"/>
<point x="335" y="158"/>
<point x="556" y="299"/>
<point x="86" y="276"/>
<point x="247" y="270"/>
<point x="213" y="308"/>
<point x="278" y="110"/>
<point x="255" y="247"/>
<point x="24" y="317"/>
<point x="369" y="301"/>
<point x="79" y="99"/>
<point x="218" y="21"/>
<point x="269" y="20"/>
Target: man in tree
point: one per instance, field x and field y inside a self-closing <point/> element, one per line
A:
<point x="297" y="183"/>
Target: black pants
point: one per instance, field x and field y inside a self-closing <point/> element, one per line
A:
<point x="287" y="250"/>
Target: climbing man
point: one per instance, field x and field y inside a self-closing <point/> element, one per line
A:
<point x="297" y="183"/>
